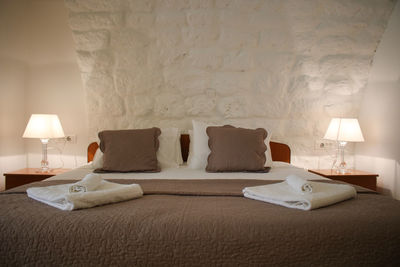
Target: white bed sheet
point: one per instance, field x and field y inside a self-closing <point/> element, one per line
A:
<point x="279" y="171"/>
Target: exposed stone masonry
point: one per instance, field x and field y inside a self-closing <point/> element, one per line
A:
<point x="289" y="65"/>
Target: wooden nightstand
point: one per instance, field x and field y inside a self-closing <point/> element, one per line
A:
<point x="28" y="175"/>
<point x="361" y="178"/>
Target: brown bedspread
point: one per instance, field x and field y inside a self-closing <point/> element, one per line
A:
<point x="197" y="223"/>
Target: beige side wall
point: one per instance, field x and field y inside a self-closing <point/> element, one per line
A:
<point x="380" y="112"/>
<point x="38" y="74"/>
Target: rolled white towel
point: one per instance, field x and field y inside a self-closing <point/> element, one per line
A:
<point x="58" y="196"/>
<point x="323" y="194"/>
<point x="89" y="183"/>
<point x="299" y="184"/>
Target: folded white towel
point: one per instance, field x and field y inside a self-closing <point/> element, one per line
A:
<point x="299" y="184"/>
<point x="323" y="194"/>
<point x="89" y="183"/>
<point x="59" y="196"/>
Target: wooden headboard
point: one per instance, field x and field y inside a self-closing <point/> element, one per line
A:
<point x="279" y="151"/>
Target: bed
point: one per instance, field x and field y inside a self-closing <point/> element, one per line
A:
<point x="192" y="218"/>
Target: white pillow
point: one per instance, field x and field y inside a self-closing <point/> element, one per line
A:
<point x="168" y="154"/>
<point x="178" y="149"/>
<point x="199" y="150"/>
<point x="268" y="155"/>
<point x="189" y="158"/>
<point x="97" y="162"/>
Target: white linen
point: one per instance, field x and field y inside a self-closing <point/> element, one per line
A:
<point x="59" y="196"/>
<point x="190" y="154"/>
<point x="283" y="194"/>
<point x="299" y="184"/>
<point x="169" y="152"/>
<point x="199" y="145"/>
<point x="279" y="171"/>
<point x="268" y="154"/>
<point x="97" y="162"/>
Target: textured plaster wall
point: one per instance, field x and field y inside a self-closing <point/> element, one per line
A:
<point x="289" y="65"/>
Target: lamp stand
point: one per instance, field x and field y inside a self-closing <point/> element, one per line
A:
<point x="342" y="168"/>
<point x="44" y="163"/>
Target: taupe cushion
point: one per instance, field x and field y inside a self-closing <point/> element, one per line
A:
<point x="129" y="150"/>
<point x="236" y="149"/>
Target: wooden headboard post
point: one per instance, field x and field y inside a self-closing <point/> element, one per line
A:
<point x="279" y="151"/>
<point x="185" y="142"/>
<point x="91" y="150"/>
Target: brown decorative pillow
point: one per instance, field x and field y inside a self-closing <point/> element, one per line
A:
<point x="129" y="150"/>
<point x="236" y="149"/>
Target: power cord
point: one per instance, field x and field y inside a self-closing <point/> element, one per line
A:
<point x="60" y="153"/>
<point x="328" y="152"/>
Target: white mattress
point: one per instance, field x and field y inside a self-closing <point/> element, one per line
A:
<point x="279" y="171"/>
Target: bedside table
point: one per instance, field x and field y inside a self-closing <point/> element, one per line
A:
<point x="361" y="178"/>
<point x="29" y="175"/>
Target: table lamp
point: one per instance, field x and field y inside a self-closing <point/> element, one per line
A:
<point x="344" y="130"/>
<point x="44" y="126"/>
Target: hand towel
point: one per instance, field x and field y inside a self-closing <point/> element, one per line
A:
<point x="323" y="194"/>
<point x="299" y="184"/>
<point x="59" y="196"/>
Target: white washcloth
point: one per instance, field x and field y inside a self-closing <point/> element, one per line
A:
<point x="59" y="196"/>
<point x="299" y="184"/>
<point x="89" y="183"/>
<point x="323" y="194"/>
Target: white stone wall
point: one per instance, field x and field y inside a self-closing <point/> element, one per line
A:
<point x="289" y="64"/>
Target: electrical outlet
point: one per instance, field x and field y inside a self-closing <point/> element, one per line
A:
<point x="322" y="144"/>
<point x="71" y="138"/>
<point x="68" y="138"/>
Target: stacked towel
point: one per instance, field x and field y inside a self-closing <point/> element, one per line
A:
<point x="288" y="194"/>
<point x="89" y="192"/>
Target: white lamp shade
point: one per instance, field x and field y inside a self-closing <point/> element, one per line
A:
<point x="44" y="126"/>
<point x="347" y="130"/>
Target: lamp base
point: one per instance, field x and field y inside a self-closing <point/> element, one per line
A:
<point x="40" y="170"/>
<point x="44" y="163"/>
<point x="44" y="170"/>
<point x="342" y="168"/>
